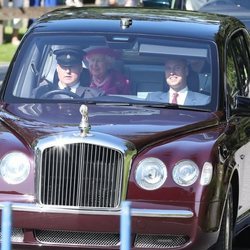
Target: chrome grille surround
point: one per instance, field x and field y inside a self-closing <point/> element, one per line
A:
<point x="82" y="172"/>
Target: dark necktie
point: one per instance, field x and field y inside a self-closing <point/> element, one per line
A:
<point x="67" y="89"/>
<point x="174" y="100"/>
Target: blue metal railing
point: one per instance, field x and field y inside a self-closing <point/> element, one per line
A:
<point x="6" y="226"/>
<point x="125" y="226"/>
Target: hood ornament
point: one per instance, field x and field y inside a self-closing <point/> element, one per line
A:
<point x="125" y="22"/>
<point x="84" y="124"/>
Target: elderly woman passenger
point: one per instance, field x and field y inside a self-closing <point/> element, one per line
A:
<point x="104" y="76"/>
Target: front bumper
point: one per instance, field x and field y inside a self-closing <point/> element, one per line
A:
<point x="51" y="228"/>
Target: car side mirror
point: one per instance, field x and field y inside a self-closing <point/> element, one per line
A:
<point x="242" y="105"/>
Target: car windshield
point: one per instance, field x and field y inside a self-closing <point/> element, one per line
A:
<point x="122" y="69"/>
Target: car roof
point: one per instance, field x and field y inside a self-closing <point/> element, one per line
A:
<point x="237" y="11"/>
<point x="151" y="21"/>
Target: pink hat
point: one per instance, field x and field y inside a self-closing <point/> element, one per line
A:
<point x="103" y="51"/>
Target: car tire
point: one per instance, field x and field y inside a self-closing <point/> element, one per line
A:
<point x="225" y="240"/>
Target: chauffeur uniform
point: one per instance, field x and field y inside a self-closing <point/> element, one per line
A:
<point x="67" y="58"/>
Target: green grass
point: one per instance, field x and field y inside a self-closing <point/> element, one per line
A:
<point x="7" y="49"/>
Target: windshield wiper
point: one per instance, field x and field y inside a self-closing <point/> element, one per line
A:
<point x="142" y="103"/>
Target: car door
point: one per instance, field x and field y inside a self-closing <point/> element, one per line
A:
<point x="237" y="84"/>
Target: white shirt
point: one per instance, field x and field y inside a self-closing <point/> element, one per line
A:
<point x="72" y="87"/>
<point x="182" y="94"/>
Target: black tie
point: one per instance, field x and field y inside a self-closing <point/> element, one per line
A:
<point x="67" y="88"/>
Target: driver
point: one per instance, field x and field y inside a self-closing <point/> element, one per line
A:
<point x="68" y="69"/>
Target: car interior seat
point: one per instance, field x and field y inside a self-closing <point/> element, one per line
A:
<point x="145" y="79"/>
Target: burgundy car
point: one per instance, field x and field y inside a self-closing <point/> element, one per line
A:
<point x="68" y="161"/>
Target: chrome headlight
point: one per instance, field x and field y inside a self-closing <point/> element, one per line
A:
<point x="185" y="173"/>
<point x="151" y="173"/>
<point x="14" y="167"/>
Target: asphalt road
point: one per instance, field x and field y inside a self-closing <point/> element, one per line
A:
<point x="242" y="242"/>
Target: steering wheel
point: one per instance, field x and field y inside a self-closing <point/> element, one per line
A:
<point x="52" y="93"/>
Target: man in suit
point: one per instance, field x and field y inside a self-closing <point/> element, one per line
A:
<point x="176" y="72"/>
<point x="68" y="69"/>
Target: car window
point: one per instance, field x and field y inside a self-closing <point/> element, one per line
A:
<point x="237" y="68"/>
<point x="241" y="51"/>
<point x="231" y="79"/>
<point x="136" y="66"/>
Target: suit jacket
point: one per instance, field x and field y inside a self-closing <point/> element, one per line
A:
<point x="192" y="98"/>
<point x="84" y="92"/>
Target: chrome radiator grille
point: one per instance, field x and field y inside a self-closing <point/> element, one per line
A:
<point x="81" y="175"/>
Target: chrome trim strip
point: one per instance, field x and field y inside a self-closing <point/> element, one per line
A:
<point x="161" y="213"/>
<point x="136" y="212"/>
